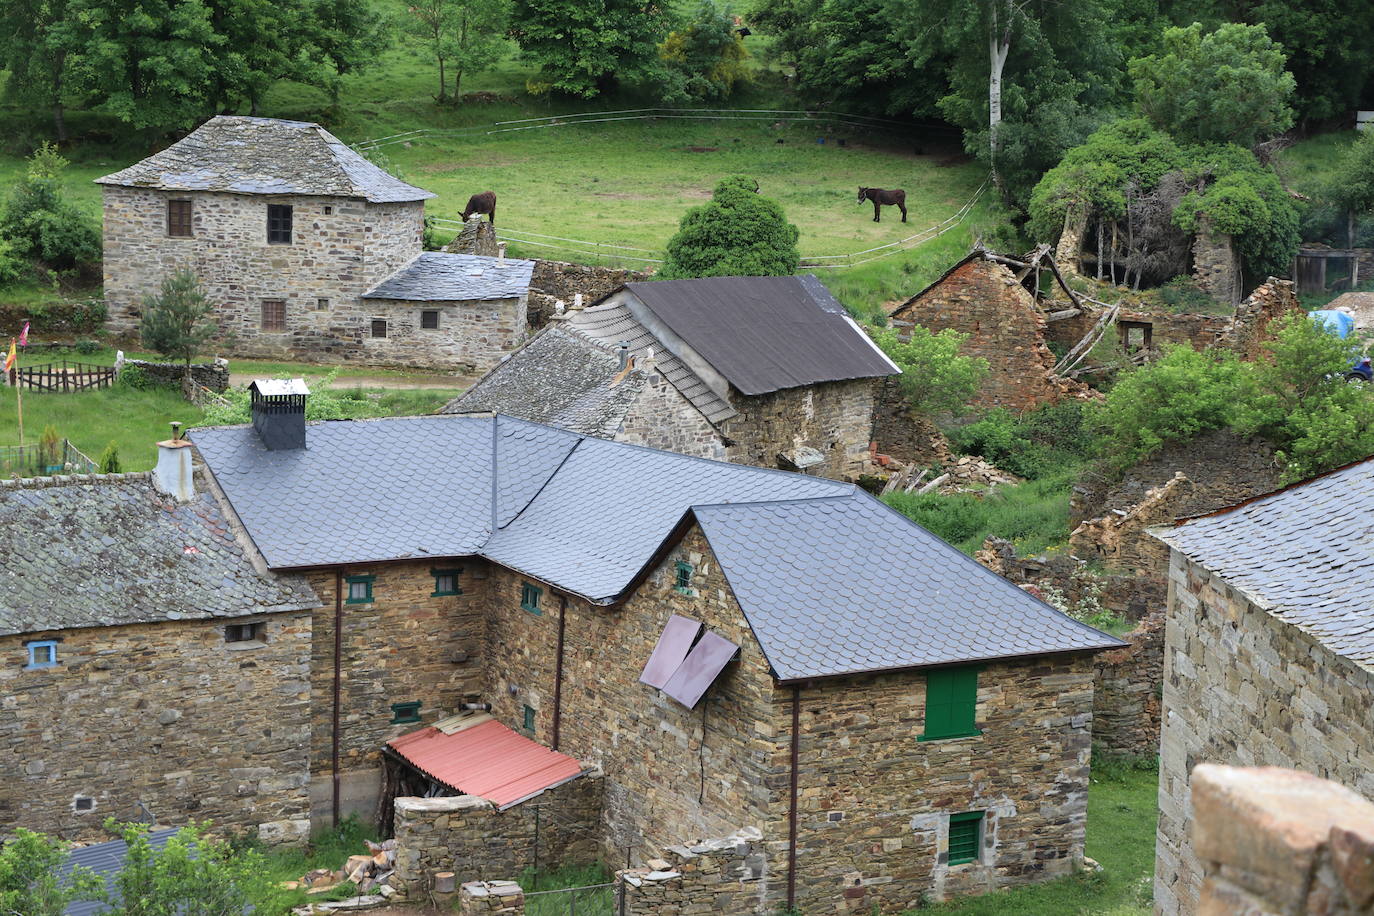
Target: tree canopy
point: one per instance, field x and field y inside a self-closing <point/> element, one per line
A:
<point x="585" y="47"/>
<point x="739" y="233"/>
<point x="705" y="58"/>
<point x="936" y="378"/>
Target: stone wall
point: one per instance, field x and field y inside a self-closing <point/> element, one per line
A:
<point x="1250" y="325"/>
<point x="661" y="417"/>
<point x="1119" y="539"/>
<point x="1201" y="332"/>
<point x="984" y="300"/>
<point x="214" y="376"/>
<point x="717" y="877"/>
<point x="406" y="645"/>
<point x="1134" y="597"/>
<point x="478" y="897"/>
<point x="834" y="418"/>
<point x="1216" y="263"/>
<point x="906" y="436"/>
<point x="472" y="335"/>
<point x="1127" y="690"/>
<point x="478" y="236"/>
<point x="466" y="835"/>
<point x="1242" y="687"/>
<point x="1281" y="841"/>
<point x="168" y="715"/>
<point x="554" y="280"/>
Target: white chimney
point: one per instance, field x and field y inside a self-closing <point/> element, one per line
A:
<point x="173" y="474"/>
<point x="577" y="301"/>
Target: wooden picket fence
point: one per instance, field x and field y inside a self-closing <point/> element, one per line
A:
<point x="63" y="377"/>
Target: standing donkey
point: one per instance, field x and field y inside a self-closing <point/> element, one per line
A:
<point x="880" y="197"/>
<point x="481" y="203"/>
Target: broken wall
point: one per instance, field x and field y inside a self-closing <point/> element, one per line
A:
<point x="554" y="280"/>
<point x="728" y="875"/>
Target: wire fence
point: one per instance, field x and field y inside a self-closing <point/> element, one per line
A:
<point x="44" y="459"/>
<point x="588" y="900"/>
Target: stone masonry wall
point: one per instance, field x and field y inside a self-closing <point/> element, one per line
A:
<point x="903" y="434"/>
<point x="166" y="714"/>
<point x="1281" y="841"/>
<point x="466" y="835"/>
<point x="1250" y="326"/>
<point x="478" y="897"/>
<point x="983" y="299"/>
<point x="1126" y="691"/>
<point x="214" y="376"/>
<point x="404" y="646"/>
<point x="712" y="878"/>
<point x="554" y="280"/>
<point x="835" y="418"/>
<point x="1120" y="538"/>
<point x="875" y="801"/>
<point x="1216" y="264"/>
<point x="472" y="335"/>
<point x="661" y="417"/>
<point x="1242" y="687"/>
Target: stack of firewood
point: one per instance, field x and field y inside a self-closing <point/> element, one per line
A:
<point x="366" y="872"/>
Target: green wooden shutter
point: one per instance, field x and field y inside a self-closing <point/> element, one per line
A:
<point x="965" y="834"/>
<point x="951" y="703"/>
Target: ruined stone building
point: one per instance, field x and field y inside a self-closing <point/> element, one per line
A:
<point x="707" y="647"/>
<point x="768" y="371"/>
<point x="1269" y="651"/>
<point x="149" y="668"/>
<point x="305" y="249"/>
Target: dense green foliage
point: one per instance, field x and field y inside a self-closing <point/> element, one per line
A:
<point x="586" y="47"/>
<point x="192" y="875"/>
<point x="465" y="37"/>
<point x="1351" y="185"/>
<point x="40" y="227"/>
<point x="739" y="233"/>
<point x="29" y="877"/>
<point x="1034" y="515"/>
<point x="704" y="59"/>
<point x="1225" y="86"/>
<point x="936" y="378"/>
<point x="178" y="321"/>
<point x="1035" y="444"/>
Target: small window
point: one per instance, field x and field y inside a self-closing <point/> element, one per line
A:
<point x="328" y="210"/>
<point x="683" y="577"/>
<point x="245" y="632"/>
<point x="378" y="327"/>
<point x="321" y="305"/>
<point x="429" y="320"/>
<point x="445" y="582"/>
<point x="359" y="589"/>
<point x="274" y="314"/>
<point x="83" y="804"/>
<point x="965" y="837"/>
<point x="179" y="218"/>
<point x="279" y="224"/>
<point x="401" y="713"/>
<point x="42" y="653"/>
<point x="529" y="597"/>
<point x="951" y="703"/>
<point x="529" y="718"/>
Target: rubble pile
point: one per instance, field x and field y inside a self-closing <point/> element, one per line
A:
<point x="368" y="873"/>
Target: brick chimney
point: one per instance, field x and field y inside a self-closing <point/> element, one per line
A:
<point x="173" y="475"/>
<point x="279" y="412"/>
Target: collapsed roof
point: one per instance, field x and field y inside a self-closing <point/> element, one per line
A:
<point x="242" y="155"/>
<point x="831" y="581"/>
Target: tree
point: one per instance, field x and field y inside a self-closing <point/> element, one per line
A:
<point x="40" y="225"/>
<point x="705" y="59"/>
<point x="30" y="877"/>
<point x="585" y="47"/>
<point x="464" y="36"/>
<point x="1226" y="86"/>
<point x="1351" y="185"/>
<point x="737" y="234"/>
<point x="347" y="37"/>
<point x="192" y="875"/>
<point x="34" y="44"/>
<point x="936" y="378"/>
<point x="177" y="322"/>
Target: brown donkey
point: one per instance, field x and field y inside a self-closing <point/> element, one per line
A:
<point x="880" y="197"/>
<point x="481" y="203"/>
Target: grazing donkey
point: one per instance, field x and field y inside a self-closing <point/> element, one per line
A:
<point x="880" y="197"/>
<point x="481" y="203"/>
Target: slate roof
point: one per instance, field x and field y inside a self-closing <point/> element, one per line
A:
<point x="107" y="861"/>
<point x="1305" y="554"/>
<point x="765" y="334"/>
<point x="111" y="550"/>
<point x="560" y="378"/>
<point x="831" y="581"/>
<point x="443" y="276"/>
<point x="242" y="155"/>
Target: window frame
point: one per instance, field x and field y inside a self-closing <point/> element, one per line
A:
<point x="529" y="715"/>
<point x="367" y="581"/>
<point x="172" y="224"/>
<point x="455" y="572"/>
<point x="424" y="313"/>
<point x="272" y="326"/>
<point x="283" y="215"/>
<point x="530" y="594"/>
<point x="257" y="630"/>
<point x="33" y="645"/>
<point x="951" y="703"/>
<point x="372" y="325"/>
<point x="406" y="713"/>
<point x="682" y="577"/>
<point x="976" y="818"/>
<point x="321" y="304"/>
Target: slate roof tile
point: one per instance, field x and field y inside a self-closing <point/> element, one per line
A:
<point x="444" y="276"/>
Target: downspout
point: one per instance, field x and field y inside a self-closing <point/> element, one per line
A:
<point x="792" y="809"/>
<point x="558" y="671"/>
<point x="338" y="674"/>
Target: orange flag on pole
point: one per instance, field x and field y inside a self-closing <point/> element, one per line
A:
<point x="10" y="358"/>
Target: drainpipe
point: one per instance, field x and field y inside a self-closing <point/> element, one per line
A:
<point x="338" y="673"/>
<point x="792" y="809"/>
<point x="558" y="671"/>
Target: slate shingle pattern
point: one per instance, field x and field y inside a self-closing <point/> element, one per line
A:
<point x="444" y="276"/>
<point x="1304" y="554"/>
<point x="560" y="378"/>
<point x="242" y="155"/>
<point x="110" y="550"/>
<point x="107" y="861"/>
<point x="831" y="581"/>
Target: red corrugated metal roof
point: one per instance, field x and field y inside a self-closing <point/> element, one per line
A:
<point x="487" y="760"/>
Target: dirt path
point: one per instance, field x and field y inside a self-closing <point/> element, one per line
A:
<point x="379" y="381"/>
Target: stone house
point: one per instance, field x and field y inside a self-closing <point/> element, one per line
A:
<point x="1269" y="651"/>
<point x="147" y="667"/>
<point x="306" y="250"/>
<point x="727" y="646"/>
<point x="768" y="371"/>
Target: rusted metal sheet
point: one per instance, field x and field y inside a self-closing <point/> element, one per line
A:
<point x="673" y="645"/>
<point x="700" y="669"/>
<point x="487" y="760"/>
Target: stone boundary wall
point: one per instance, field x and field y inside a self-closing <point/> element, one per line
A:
<point x="476" y="897"/>
<point x="466" y="835"/>
<point x="1281" y="841"/>
<point x="722" y="876"/>
<point x="1126" y="691"/>
<point x="214" y="376"/>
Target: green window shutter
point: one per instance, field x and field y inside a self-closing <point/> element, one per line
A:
<point x="529" y="597"/>
<point x="409" y="711"/>
<point x="951" y="703"/>
<point x="965" y="837"/>
<point x="446" y="582"/>
<point x="359" y="589"/>
<point x="529" y="718"/>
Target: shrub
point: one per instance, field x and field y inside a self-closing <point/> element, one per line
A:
<point x="936" y="378"/>
<point x="191" y="874"/>
<point x="737" y="234"/>
<point x="1036" y="444"/>
<point x="134" y="377"/>
<point x="705" y="59"/>
<point x="85" y="346"/>
<point x="12" y="265"/>
<point x="109" y="459"/>
<point x="178" y="322"/>
<point x="40" y="225"/>
<point x="31" y="882"/>
<point x="324" y="403"/>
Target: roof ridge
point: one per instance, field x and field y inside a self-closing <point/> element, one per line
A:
<point x="781" y="502"/>
<point x="71" y="480"/>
